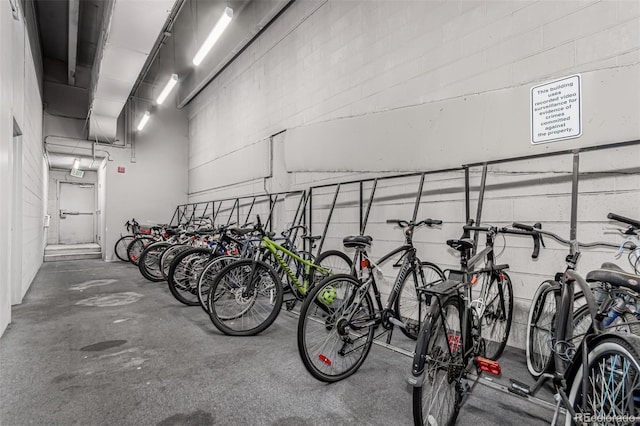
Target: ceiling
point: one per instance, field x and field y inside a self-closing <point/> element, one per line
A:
<point x="173" y="44"/>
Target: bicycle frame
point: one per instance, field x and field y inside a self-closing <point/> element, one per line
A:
<point x="275" y="249"/>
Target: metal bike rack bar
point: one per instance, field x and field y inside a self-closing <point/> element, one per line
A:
<point x="366" y="216"/>
<point x="416" y="207"/>
<point x="573" y="233"/>
<point x="326" y="225"/>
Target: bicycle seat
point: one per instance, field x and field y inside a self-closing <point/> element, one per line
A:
<point x="357" y="241"/>
<point x="611" y="266"/>
<point x="172" y="231"/>
<point x="312" y="237"/>
<point x="617" y="278"/>
<point x="241" y="231"/>
<point x="461" y="245"/>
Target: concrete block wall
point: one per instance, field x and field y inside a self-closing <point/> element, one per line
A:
<point x="370" y="88"/>
<point x="23" y="181"/>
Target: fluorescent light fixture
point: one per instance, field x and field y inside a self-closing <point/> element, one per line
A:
<point x="76" y="164"/>
<point x="144" y="120"/>
<point x="167" y="89"/>
<point x="214" y="35"/>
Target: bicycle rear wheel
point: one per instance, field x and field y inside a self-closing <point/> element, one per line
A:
<point x="436" y="400"/>
<point x="541" y="329"/>
<point x="497" y="313"/>
<point x="120" y="248"/>
<point x="613" y="382"/>
<point x="336" y="262"/>
<point x="245" y="298"/>
<point x="335" y="329"/>
<point x="410" y="307"/>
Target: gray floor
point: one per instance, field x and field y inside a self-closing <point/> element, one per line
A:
<point x="95" y="343"/>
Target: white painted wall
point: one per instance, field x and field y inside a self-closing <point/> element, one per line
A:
<point x="365" y="88"/>
<point x="155" y="183"/>
<point x="20" y="100"/>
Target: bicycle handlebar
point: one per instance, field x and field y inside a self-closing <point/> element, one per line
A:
<point x="538" y="230"/>
<point x="405" y="223"/>
<point x="524" y="230"/>
<point x="634" y="223"/>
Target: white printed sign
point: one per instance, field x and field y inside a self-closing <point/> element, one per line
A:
<point x="556" y="110"/>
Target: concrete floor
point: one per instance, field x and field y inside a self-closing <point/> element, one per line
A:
<point x="95" y="343"/>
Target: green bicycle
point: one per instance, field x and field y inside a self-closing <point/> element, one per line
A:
<point x="246" y="296"/>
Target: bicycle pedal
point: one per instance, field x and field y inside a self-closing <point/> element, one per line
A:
<point x="519" y="388"/>
<point x="397" y="322"/>
<point x="464" y="384"/>
<point x="488" y="365"/>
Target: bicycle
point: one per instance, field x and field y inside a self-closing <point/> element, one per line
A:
<point x="120" y="247"/>
<point x="338" y="318"/>
<point x="246" y="296"/>
<point x="613" y="303"/>
<point x="449" y="347"/>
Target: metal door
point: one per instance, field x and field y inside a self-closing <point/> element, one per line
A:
<point x="77" y="209"/>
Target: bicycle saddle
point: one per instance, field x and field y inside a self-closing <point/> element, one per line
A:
<point x="312" y="237"/>
<point x="612" y="266"/>
<point x="461" y="245"/>
<point x="357" y="241"/>
<point x="172" y="231"/>
<point x="615" y="277"/>
<point x="241" y="231"/>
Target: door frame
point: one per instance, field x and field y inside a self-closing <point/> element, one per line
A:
<point x="15" y="262"/>
<point x="95" y="201"/>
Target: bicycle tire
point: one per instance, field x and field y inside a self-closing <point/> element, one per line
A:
<point x="614" y="380"/>
<point x="328" y="342"/>
<point x="135" y="248"/>
<point x="168" y="256"/>
<point x="149" y="262"/>
<point x="234" y="311"/>
<point x="120" y="247"/>
<point x="184" y="273"/>
<point x="540" y="329"/>
<point x="496" y="318"/>
<point x="441" y="377"/>
<point x="205" y="281"/>
<point x="333" y="260"/>
<point x="410" y="307"/>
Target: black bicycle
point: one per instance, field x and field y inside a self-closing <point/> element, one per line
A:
<point x="338" y="319"/>
<point x="597" y="379"/>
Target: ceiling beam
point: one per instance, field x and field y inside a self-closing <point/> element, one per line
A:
<point x="74" y="17"/>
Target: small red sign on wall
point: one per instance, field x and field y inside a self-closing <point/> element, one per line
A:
<point x="120" y="169"/>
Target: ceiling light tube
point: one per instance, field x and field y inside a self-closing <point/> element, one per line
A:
<point x="76" y="164"/>
<point x="214" y="35"/>
<point x="167" y="89"/>
<point x="144" y="120"/>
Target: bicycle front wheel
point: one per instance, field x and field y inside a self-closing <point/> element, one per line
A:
<point x="135" y="248"/>
<point x="436" y="401"/>
<point x="541" y="329"/>
<point x="410" y="307"/>
<point x="245" y="298"/>
<point x="184" y="272"/>
<point x="612" y="383"/>
<point x="149" y="262"/>
<point x="121" y="245"/>
<point x="497" y="312"/>
<point x="335" y="329"/>
<point x="208" y="275"/>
